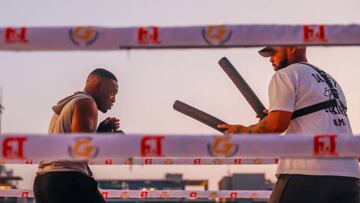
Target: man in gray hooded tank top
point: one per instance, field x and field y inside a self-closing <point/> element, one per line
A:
<point x="59" y="181"/>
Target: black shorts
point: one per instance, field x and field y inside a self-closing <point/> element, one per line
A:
<point x="315" y="189"/>
<point x="69" y="187"/>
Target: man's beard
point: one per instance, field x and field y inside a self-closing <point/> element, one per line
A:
<point x="283" y="63"/>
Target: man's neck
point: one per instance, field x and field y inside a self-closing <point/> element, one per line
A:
<point x="300" y="59"/>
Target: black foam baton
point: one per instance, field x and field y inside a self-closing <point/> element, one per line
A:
<point x="243" y="87"/>
<point x="198" y="115"/>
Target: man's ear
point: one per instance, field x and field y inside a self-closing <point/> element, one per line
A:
<point x="292" y="51"/>
<point x="98" y="87"/>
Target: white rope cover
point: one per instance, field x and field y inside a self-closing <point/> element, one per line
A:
<point x="91" y="147"/>
<point x="159" y="194"/>
<point x="205" y="36"/>
<point x="164" y="161"/>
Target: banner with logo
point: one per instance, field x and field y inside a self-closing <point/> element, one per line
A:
<point x="207" y="36"/>
<point x="91" y="147"/>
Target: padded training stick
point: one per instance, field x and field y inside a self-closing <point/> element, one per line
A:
<point x="198" y="115"/>
<point x="242" y="85"/>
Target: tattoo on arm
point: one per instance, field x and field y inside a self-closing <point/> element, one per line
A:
<point x="249" y="130"/>
<point x="262" y="125"/>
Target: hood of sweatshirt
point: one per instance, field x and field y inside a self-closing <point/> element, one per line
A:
<point x="60" y="104"/>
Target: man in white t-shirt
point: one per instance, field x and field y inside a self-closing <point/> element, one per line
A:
<point x="304" y="99"/>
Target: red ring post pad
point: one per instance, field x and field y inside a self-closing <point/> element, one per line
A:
<point x="198" y="115"/>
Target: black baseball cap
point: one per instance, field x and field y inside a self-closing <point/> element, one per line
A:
<point x="268" y="51"/>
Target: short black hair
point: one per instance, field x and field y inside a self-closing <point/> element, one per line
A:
<point x="104" y="73"/>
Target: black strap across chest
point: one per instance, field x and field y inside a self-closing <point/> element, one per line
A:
<point x="322" y="105"/>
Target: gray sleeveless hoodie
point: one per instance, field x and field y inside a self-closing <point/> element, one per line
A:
<point x="61" y="123"/>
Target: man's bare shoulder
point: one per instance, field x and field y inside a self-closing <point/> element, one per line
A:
<point x="84" y="118"/>
<point x="86" y="105"/>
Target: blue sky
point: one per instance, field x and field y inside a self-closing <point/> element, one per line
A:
<point x="151" y="80"/>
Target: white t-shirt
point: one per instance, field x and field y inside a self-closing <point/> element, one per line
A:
<point x="298" y="86"/>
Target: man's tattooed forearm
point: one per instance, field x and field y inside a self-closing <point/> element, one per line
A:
<point x="262" y="125"/>
<point x="249" y="130"/>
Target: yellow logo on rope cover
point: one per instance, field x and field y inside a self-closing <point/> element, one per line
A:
<point x="216" y="35"/>
<point x="223" y="147"/>
<point x="83" y="148"/>
<point x="83" y="35"/>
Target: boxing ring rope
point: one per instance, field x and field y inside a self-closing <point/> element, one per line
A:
<point x="204" y="36"/>
<point x="162" y="147"/>
<point x="90" y="146"/>
<point x="159" y="194"/>
<point x="164" y="161"/>
<point x="172" y="149"/>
